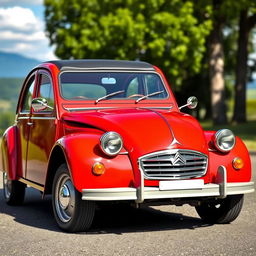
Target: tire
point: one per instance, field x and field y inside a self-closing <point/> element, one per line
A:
<point x="14" y="191"/>
<point x="222" y="211"/>
<point x="71" y="213"/>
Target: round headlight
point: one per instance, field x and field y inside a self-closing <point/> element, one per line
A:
<point x="224" y="140"/>
<point x="111" y="143"/>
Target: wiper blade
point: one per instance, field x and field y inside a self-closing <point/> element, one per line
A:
<point x="149" y="95"/>
<point x="108" y="96"/>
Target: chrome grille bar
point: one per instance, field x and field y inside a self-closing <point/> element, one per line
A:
<point x="174" y="164"/>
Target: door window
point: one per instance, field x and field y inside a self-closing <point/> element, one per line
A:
<point x="46" y="91"/>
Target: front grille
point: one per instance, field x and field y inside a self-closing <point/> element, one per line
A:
<point x="174" y="164"/>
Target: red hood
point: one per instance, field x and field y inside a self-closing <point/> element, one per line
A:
<point x="144" y="130"/>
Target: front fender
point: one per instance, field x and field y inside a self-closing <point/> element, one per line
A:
<point x="217" y="158"/>
<point x="10" y="157"/>
<point x="82" y="151"/>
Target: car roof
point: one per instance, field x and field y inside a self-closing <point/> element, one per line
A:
<point x="102" y="64"/>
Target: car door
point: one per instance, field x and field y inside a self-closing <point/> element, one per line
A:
<point x="23" y="120"/>
<point x="42" y="131"/>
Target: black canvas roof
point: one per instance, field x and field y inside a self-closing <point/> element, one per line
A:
<point x="101" y="64"/>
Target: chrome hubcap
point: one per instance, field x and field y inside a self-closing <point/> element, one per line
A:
<point x="64" y="198"/>
<point x="7" y="185"/>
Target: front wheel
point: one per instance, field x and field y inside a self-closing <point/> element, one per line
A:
<point x="14" y="190"/>
<point x="221" y="211"/>
<point x="72" y="214"/>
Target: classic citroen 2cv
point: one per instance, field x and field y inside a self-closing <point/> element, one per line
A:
<point x="88" y="131"/>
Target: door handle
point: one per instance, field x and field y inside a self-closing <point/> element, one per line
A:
<point x="29" y="123"/>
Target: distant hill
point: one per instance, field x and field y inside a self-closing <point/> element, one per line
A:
<point x="15" y="65"/>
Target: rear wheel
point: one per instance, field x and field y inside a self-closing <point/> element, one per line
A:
<point x="14" y="191"/>
<point x="71" y="212"/>
<point x="222" y="211"/>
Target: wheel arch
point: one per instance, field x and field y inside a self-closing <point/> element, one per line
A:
<point x="57" y="158"/>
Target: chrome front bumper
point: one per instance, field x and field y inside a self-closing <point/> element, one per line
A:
<point x="221" y="189"/>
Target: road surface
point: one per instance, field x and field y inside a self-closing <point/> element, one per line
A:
<point x="165" y="230"/>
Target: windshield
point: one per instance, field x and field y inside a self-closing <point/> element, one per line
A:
<point x="101" y="86"/>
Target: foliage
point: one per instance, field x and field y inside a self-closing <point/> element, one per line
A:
<point x="166" y="33"/>
<point x="6" y="120"/>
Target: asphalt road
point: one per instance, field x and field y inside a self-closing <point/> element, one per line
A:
<point x="165" y="230"/>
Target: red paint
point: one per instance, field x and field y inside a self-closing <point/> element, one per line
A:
<point x="26" y="150"/>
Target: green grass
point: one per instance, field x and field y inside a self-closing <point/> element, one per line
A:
<point x="247" y="131"/>
<point x="251" y="94"/>
<point x="5" y="105"/>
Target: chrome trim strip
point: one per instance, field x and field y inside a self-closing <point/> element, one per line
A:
<point x="78" y="109"/>
<point x="42" y="118"/>
<point x="31" y="184"/>
<point x="23" y="118"/>
<point x="98" y="108"/>
<point x="209" y="190"/>
<point x="96" y="69"/>
<point x="123" y="153"/>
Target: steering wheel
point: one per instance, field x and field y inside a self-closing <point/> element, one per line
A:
<point x="135" y="95"/>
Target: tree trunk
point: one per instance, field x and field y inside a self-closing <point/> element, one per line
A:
<point x="245" y="25"/>
<point x="216" y="66"/>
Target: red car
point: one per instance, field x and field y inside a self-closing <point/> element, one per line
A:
<point x="88" y="131"/>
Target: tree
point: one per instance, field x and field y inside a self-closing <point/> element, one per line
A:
<point x="246" y="23"/>
<point x="165" y="33"/>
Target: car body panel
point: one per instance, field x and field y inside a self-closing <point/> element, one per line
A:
<point x="76" y="126"/>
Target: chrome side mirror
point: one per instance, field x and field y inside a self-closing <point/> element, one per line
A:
<point x="191" y="103"/>
<point x="39" y="104"/>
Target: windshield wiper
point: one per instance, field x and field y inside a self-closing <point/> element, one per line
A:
<point x="149" y="95"/>
<point x="108" y="95"/>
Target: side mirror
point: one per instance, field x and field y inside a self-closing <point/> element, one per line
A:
<point x="191" y="103"/>
<point x="39" y="104"/>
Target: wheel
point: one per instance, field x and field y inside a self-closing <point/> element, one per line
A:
<point x="72" y="214"/>
<point x="14" y="191"/>
<point x="222" y="211"/>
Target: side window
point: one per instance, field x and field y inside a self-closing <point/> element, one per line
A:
<point x="28" y="95"/>
<point x="46" y="91"/>
<point x="133" y="87"/>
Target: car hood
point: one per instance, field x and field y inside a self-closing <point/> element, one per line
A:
<point x="145" y="130"/>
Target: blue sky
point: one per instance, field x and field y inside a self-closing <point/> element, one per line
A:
<point x="22" y="29"/>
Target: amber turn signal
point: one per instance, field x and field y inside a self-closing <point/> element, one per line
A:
<point x="238" y="163"/>
<point x="98" y="168"/>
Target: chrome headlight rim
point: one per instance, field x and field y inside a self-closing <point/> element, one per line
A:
<point x="107" y="137"/>
<point x="219" y="136"/>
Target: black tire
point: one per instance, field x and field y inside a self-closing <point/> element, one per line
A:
<point x="14" y="191"/>
<point x="222" y="211"/>
<point x="71" y="213"/>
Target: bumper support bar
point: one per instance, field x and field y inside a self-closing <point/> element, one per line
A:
<point x="221" y="189"/>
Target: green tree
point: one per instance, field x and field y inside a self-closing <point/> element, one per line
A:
<point x="247" y="20"/>
<point x="165" y="33"/>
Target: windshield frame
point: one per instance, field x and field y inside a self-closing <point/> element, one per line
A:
<point x="112" y="100"/>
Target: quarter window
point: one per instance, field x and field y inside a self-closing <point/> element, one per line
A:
<point x="28" y="95"/>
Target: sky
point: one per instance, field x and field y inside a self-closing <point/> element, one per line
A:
<point x="22" y="29"/>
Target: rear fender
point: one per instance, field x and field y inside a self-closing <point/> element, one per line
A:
<point x="10" y="160"/>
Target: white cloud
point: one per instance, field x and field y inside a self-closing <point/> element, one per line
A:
<point x="22" y="32"/>
<point x="19" y="19"/>
<point x="21" y="2"/>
